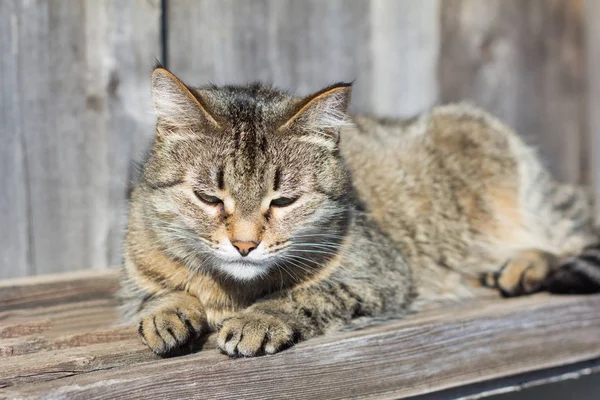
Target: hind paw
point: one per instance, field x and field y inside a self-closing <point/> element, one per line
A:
<point x="523" y="274"/>
<point x="577" y="275"/>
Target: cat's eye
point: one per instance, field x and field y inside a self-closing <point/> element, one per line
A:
<point x="283" y="201"/>
<point x="208" y="199"/>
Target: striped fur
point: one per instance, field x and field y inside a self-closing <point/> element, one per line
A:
<point x="577" y="275"/>
<point x="380" y="217"/>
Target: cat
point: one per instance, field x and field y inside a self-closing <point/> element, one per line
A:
<point x="270" y="218"/>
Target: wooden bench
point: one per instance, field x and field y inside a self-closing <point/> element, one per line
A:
<point x="58" y="339"/>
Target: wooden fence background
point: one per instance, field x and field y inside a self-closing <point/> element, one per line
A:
<point x="75" y="111"/>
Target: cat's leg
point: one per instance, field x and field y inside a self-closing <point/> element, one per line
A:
<point x="524" y="273"/>
<point x="560" y="218"/>
<point x="171" y="321"/>
<point x="273" y="325"/>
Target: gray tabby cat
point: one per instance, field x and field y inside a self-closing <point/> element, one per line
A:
<point x="271" y="218"/>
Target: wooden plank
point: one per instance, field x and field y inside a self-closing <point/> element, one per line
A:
<point x="75" y="361"/>
<point x="592" y="40"/>
<point x="48" y="290"/>
<point x="51" y="43"/>
<point x="389" y="47"/>
<point x="32" y="341"/>
<point x="231" y="42"/>
<point x="59" y="311"/>
<point x="54" y="354"/>
<point x="14" y="220"/>
<point x="419" y="357"/>
<point x="524" y="62"/>
<point x="82" y="101"/>
<point x="404" y="44"/>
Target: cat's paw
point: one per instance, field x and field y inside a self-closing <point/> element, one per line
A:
<point x="253" y="334"/>
<point x="167" y="330"/>
<point x="523" y="274"/>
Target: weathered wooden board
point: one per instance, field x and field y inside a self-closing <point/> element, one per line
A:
<point x="592" y="39"/>
<point x="57" y="289"/>
<point x="388" y="47"/>
<point x="524" y="61"/>
<point x="76" y="112"/>
<point x="14" y="208"/>
<point x="47" y="349"/>
<point x="75" y="107"/>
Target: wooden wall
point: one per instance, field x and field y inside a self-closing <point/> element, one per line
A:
<point x="75" y="109"/>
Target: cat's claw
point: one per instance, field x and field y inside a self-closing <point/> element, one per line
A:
<point x="166" y="330"/>
<point x="253" y="334"/>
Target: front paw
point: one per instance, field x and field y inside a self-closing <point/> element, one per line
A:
<point x="166" y="330"/>
<point x="253" y="334"/>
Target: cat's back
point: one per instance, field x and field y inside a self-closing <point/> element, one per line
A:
<point x="440" y="182"/>
<point x="419" y="160"/>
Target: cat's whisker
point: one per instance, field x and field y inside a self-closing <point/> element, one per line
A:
<point x="291" y="274"/>
<point x="314" y="262"/>
<point x="315" y="235"/>
<point x="321" y="234"/>
<point x="316" y="245"/>
<point x="309" y="269"/>
<point x="172" y="227"/>
<point x="303" y="250"/>
<point x="300" y="262"/>
<point x="299" y="265"/>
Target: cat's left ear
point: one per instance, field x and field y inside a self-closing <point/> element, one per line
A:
<point x="323" y="113"/>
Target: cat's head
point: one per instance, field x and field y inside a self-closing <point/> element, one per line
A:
<point x="245" y="180"/>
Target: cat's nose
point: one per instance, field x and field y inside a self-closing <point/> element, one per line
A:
<point x="244" y="248"/>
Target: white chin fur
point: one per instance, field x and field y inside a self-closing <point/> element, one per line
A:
<point x="243" y="271"/>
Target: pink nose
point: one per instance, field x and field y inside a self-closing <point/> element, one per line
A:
<point x="244" y="248"/>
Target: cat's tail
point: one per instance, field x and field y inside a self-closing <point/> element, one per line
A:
<point x="578" y="274"/>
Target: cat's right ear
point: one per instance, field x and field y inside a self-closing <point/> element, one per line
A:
<point x="177" y="108"/>
<point x="322" y="113"/>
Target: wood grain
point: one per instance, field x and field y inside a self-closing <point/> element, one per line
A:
<point x="592" y="39"/>
<point x="58" y="289"/>
<point x="47" y="350"/>
<point x="404" y="43"/>
<point x="388" y="47"/>
<point x="14" y="208"/>
<point x="75" y="107"/>
<point x="76" y="112"/>
<point x="524" y="61"/>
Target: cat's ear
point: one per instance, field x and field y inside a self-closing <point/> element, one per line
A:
<point x="324" y="112"/>
<point x="176" y="107"/>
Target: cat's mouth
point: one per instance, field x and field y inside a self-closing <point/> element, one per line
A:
<point x="245" y="261"/>
<point x="248" y="267"/>
<point x="244" y="270"/>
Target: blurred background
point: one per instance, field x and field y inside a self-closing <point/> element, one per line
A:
<point x="75" y="109"/>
